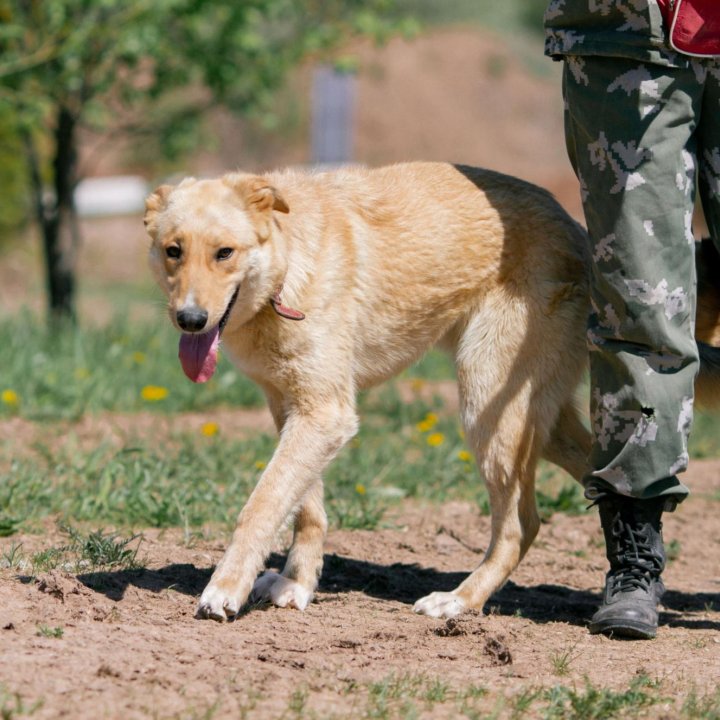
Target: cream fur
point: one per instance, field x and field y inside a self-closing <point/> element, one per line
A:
<point x="385" y="264"/>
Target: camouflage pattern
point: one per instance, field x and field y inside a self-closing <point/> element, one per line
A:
<point x="612" y="28"/>
<point x="637" y="133"/>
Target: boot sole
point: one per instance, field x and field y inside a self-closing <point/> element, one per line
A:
<point x="626" y="629"/>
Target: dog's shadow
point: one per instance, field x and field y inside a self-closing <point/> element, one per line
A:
<point x="406" y="583"/>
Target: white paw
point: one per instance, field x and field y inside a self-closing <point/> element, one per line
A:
<point x="281" y="591"/>
<point x="218" y="604"/>
<point x="440" y="605"/>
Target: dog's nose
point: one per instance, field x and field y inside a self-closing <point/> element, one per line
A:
<point x="192" y="319"/>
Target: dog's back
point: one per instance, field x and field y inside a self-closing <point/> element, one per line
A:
<point x="409" y="252"/>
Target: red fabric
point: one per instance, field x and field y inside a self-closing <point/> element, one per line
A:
<point x="694" y="25"/>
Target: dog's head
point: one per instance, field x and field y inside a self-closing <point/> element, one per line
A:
<point x="210" y="254"/>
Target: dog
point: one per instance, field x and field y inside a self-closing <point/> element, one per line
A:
<point x="323" y="284"/>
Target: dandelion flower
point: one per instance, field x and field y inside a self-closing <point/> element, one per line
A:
<point x="465" y="456"/>
<point x="10" y="397"/>
<point x="153" y="393"/>
<point x="435" y="439"/>
<point x="417" y="384"/>
<point x="139" y="357"/>
<point x="209" y="429"/>
<point x="428" y="423"/>
<point x="260" y="465"/>
<point x="360" y="489"/>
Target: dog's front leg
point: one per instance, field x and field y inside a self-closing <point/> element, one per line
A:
<point x="309" y="440"/>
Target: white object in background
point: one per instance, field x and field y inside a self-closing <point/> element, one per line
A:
<point x="118" y="195"/>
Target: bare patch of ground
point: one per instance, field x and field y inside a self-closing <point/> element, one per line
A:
<point x="130" y="646"/>
<point x="120" y="429"/>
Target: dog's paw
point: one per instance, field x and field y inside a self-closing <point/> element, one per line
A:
<point x="440" y="605"/>
<point x="218" y="604"/>
<point x="280" y="591"/>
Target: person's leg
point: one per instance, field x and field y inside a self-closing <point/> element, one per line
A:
<point x="629" y="131"/>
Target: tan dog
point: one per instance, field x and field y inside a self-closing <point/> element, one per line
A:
<point x="382" y="264"/>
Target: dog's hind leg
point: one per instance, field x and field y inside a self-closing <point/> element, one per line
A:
<point x="503" y="405"/>
<point x="509" y="469"/>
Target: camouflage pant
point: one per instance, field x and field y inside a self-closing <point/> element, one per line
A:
<point x="636" y="134"/>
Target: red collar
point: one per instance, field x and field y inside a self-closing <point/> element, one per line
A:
<point x="284" y="310"/>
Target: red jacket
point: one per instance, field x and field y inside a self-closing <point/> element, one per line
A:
<point x="693" y="25"/>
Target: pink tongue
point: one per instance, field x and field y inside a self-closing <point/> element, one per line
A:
<point x="198" y="354"/>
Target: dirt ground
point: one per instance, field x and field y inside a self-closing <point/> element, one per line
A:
<point x="131" y="647"/>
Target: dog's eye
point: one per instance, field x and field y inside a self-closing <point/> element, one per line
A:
<point x="224" y="253"/>
<point x="173" y="251"/>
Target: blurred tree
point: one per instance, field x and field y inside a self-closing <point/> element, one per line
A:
<point x="106" y="65"/>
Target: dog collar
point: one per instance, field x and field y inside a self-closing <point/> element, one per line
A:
<point x="284" y="310"/>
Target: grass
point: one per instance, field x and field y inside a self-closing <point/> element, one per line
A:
<point x="13" y="705"/>
<point x="190" y="480"/>
<point x="50" y="632"/>
<point x="122" y="367"/>
<point x="96" y="550"/>
<point x="404" y="449"/>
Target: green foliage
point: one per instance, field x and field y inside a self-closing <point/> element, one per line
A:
<point x="509" y="16"/>
<point x="150" y="69"/>
<point x="13" y="198"/>
<point x="110" y="62"/>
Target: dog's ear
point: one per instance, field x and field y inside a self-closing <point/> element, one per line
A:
<point x="258" y="194"/>
<point x="263" y="196"/>
<point x="260" y="199"/>
<point x="155" y="203"/>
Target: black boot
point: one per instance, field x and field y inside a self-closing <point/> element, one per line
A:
<point x="633" y="587"/>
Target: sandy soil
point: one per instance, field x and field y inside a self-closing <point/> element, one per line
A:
<point x="131" y="647"/>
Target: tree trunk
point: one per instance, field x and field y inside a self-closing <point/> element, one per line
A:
<point x="60" y="236"/>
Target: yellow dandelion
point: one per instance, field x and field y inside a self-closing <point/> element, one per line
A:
<point x="465" y="456"/>
<point x="360" y="489"/>
<point x="153" y="393"/>
<point x="260" y="465"/>
<point x="435" y="439"/>
<point x="209" y="429"/>
<point x="428" y="423"/>
<point x="139" y="357"/>
<point x="10" y="397"/>
<point x="81" y="373"/>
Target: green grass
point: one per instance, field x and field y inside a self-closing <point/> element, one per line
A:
<point x="13" y="705"/>
<point x="402" y="450"/>
<point x="96" y="550"/>
<point x="71" y="372"/>
<point x="50" y="632"/>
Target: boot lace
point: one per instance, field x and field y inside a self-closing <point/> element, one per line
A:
<point x="638" y="564"/>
